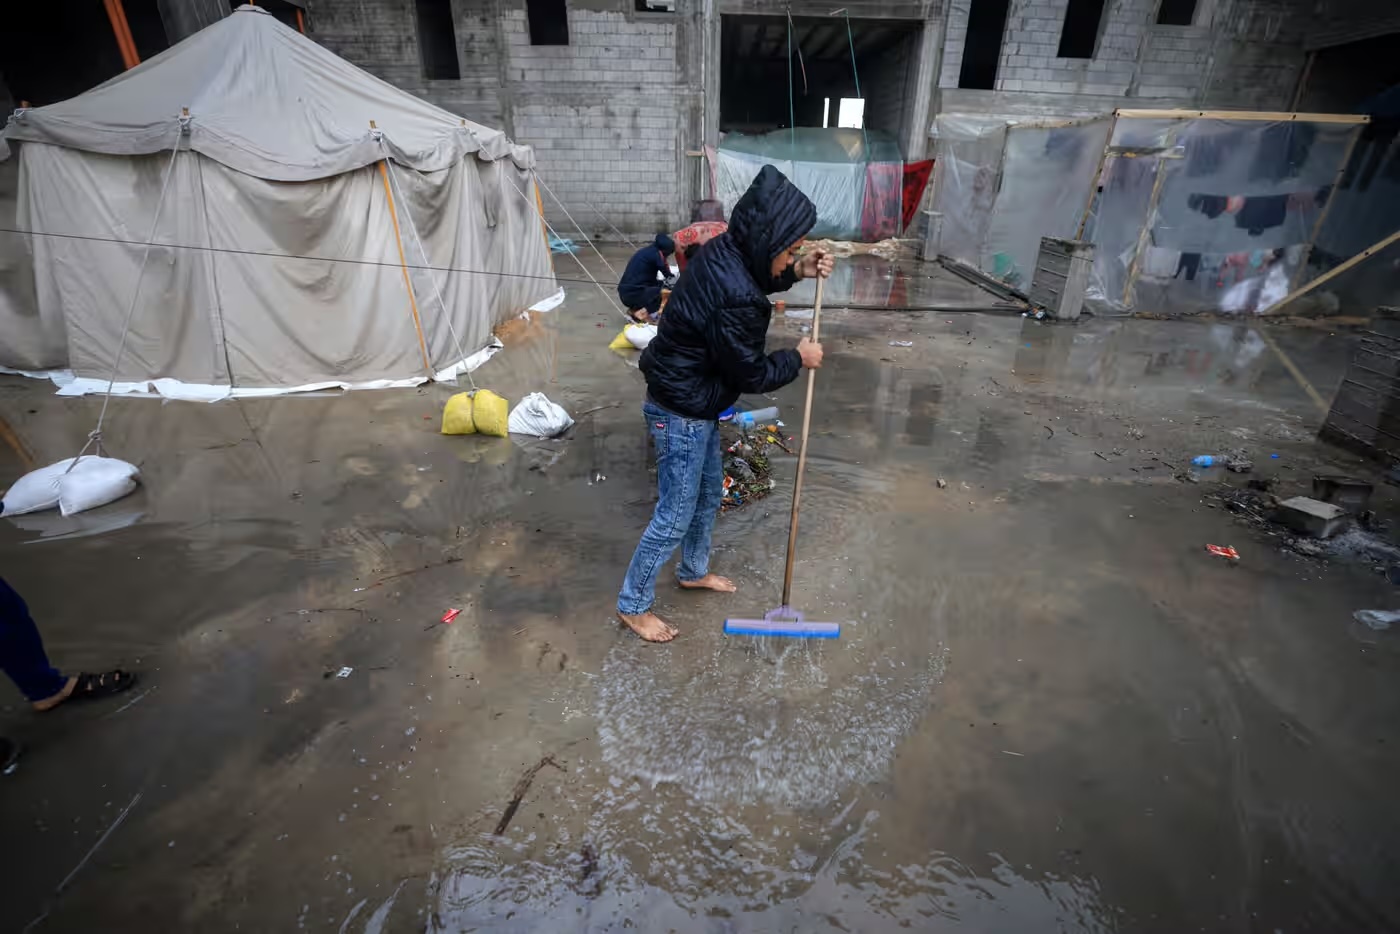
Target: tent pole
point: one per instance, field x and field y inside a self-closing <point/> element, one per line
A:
<point x="1334" y="271"/>
<point x="122" y="30"/>
<point x="1326" y="208"/>
<point x="1153" y="200"/>
<point x="1098" y="174"/>
<point x="403" y="265"/>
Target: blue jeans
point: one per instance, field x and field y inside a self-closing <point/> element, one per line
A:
<point x="690" y="478"/>
<point x="22" y="651"/>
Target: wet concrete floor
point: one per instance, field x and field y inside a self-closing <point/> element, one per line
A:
<point x="1050" y="709"/>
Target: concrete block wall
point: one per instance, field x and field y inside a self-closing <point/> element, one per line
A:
<point x="1241" y="54"/>
<point x="606" y="115"/>
<point x="381" y="36"/>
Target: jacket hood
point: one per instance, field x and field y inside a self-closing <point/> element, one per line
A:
<point x="665" y="244"/>
<point x="770" y="217"/>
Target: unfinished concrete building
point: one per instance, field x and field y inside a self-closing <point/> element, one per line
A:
<point x="618" y="96"/>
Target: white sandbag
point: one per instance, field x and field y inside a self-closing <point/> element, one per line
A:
<point x="537" y="416"/>
<point x="95" y="481"/>
<point x="639" y="335"/>
<point x="35" y="491"/>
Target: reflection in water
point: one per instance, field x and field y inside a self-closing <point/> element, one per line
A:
<point x="760" y="722"/>
<point x="653" y="860"/>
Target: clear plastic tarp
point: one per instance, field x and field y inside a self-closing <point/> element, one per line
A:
<point x="854" y="177"/>
<point x="1209" y="214"/>
<point x="1365" y="212"/>
<point x="1001" y="183"/>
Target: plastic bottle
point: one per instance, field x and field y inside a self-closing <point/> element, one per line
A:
<point x="749" y="419"/>
<point x="1207" y="460"/>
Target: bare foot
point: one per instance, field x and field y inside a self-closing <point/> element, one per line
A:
<point x="49" y="703"/>
<point x="649" y="626"/>
<point x="710" y="582"/>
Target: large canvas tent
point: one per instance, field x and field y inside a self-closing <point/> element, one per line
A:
<point x="310" y="225"/>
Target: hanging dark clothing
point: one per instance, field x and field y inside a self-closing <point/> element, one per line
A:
<point x="1283" y="149"/>
<point x="1211" y="206"/>
<point x="1190" y="262"/>
<point x="1261" y="213"/>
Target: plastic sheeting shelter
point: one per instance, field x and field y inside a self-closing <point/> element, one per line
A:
<point x="1212" y="211"/>
<point x="1001" y="183"/>
<point x="295" y="202"/>
<point x="854" y="177"/>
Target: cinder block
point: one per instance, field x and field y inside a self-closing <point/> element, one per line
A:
<point x="1311" y="517"/>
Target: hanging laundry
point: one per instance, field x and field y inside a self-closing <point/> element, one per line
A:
<point x="1207" y="154"/>
<point x="1261" y="213"/>
<point x="1211" y="206"/>
<point x="1283" y="149"/>
<point x="882" y="208"/>
<point x="1160" y="262"/>
<point x="1190" y="262"/>
<point x="1239" y="262"/>
<point x="915" y="180"/>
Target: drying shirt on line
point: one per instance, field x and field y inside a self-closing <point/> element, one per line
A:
<point x="1257" y="213"/>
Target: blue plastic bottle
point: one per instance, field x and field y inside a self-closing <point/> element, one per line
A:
<point x="749" y="419"/>
<point x="1205" y="460"/>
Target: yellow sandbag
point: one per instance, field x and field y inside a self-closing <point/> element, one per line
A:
<point x="490" y="413"/>
<point x="621" y="342"/>
<point x="457" y="415"/>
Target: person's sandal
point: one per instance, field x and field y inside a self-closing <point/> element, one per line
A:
<point x="93" y="687"/>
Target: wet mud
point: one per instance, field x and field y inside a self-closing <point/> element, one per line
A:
<point x="1049" y="709"/>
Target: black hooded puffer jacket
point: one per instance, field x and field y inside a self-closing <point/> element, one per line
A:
<point x="709" y="346"/>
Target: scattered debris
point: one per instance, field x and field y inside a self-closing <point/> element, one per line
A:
<point x="1224" y="551"/>
<point x="1136" y="433"/>
<point x="901" y="343"/>
<point x="1377" y="619"/>
<point x="344" y="672"/>
<point x="1049" y="429"/>
<point x="1008" y="752"/>
<point x="1311" y="517"/>
<point x="1239" y="464"/>
<point x="747" y="472"/>
<point x="942" y="484"/>
<point x="521" y="787"/>
<point x="451" y="614"/>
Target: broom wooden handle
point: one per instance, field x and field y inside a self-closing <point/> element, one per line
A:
<point x="802" y="453"/>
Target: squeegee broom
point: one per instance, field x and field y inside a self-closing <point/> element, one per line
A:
<point x="783" y="620"/>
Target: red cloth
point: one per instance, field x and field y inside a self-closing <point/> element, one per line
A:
<point x="879" y="215"/>
<point x="915" y="180"/>
<point x="698" y="232"/>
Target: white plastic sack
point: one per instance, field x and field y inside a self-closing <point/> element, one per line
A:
<point x="537" y="416"/>
<point x="94" y="482"/>
<point x="639" y="335"/>
<point x="36" y="490"/>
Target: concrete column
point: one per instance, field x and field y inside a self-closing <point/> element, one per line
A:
<point x="184" y="18"/>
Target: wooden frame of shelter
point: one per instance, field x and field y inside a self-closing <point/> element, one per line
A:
<point x="1164" y="154"/>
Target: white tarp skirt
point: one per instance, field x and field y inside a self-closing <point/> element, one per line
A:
<point x="213" y="311"/>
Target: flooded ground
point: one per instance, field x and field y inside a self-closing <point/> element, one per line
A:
<point x="1049" y="709"/>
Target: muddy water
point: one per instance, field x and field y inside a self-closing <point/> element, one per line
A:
<point x="1047" y="711"/>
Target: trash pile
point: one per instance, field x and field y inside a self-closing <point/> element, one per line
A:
<point x="1337" y="523"/>
<point x="747" y="471"/>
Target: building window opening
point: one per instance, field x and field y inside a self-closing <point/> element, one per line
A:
<point x="437" y="40"/>
<point x="549" y="22"/>
<point x="1081" y="31"/>
<point x="1176" y="13"/>
<point x="986" y="24"/>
